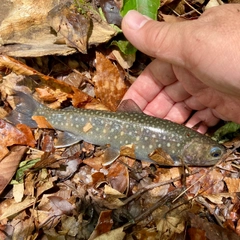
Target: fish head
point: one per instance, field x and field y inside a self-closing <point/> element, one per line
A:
<point x="202" y="152"/>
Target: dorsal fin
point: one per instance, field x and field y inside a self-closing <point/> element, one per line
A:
<point x="128" y="105"/>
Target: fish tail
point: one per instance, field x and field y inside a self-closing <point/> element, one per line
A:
<point x="25" y="108"/>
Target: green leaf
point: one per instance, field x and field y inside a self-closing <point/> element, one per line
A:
<point x="227" y="132"/>
<point x="124" y="46"/>
<point x="24" y="166"/>
<point x="145" y="7"/>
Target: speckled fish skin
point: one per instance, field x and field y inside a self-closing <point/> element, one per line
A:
<point x="145" y="132"/>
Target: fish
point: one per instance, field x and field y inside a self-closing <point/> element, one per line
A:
<point x="146" y="133"/>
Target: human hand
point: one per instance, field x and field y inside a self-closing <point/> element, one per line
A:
<point x="196" y="66"/>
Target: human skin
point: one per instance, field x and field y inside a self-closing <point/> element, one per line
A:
<point x="196" y="66"/>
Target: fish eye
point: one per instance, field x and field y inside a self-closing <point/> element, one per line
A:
<point x="215" y="152"/>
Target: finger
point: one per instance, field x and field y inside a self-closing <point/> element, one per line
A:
<point x="193" y="103"/>
<point x="150" y="83"/>
<point x="179" y="113"/>
<point x="157" y="39"/>
<point x="206" y="117"/>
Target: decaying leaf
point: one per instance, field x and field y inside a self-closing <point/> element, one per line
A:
<point x="212" y="231"/>
<point x="108" y="80"/>
<point x="73" y="26"/>
<point x="10" y="135"/>
<point x="9" y="165"/>
<point x="104" y="224"/>
<point x="17" y="207"/>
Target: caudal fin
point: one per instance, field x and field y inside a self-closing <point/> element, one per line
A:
<point x="25" y="107"/>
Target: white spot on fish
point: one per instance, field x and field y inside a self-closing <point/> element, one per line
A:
<point x="143" y="147"/>
<point x="154" y="135"/>
<point x="150" y="146"/>
<point x="159" y="145"/>
<point x="121" y="133"/>
<point x="168" y="144"/>
<point x="115" y="137"/>
<point x="137" y="138"/>
<point x="145" y="138"/>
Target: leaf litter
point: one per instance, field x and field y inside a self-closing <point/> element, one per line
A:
<point x="68" y="193"/>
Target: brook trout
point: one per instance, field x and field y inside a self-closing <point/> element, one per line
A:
<point x="145" y="132"/>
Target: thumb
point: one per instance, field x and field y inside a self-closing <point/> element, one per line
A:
<point x="160" y="40"/>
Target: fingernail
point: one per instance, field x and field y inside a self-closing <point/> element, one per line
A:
<point x="135" y="20"/>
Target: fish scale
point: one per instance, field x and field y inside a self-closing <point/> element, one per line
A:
<point x="145" y="132"/>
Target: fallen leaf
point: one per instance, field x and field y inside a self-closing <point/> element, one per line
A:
<point x="9" y="165"/>
<point x="18" y="192"/>
<point x="118" y="177"/>
<point x="42" y="122"/>
<point x="10" y="135"/>
<point x="18" y="207"/>
<point x="233" y="184"/>
<point x="104" y="224"/>
<point x="74" y="27"/>
<point x="116" y="234"/>
<point x="212" y="230"/>
<point x="109" y="86"/>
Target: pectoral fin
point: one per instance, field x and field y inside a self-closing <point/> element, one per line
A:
<point x="65" y="139"/>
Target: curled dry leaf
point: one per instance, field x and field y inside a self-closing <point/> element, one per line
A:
<point x="10" y="135"/>
<point x="118" y="177"/>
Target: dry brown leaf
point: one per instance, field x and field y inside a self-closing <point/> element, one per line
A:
<point x="104" y="224"/>
<point x="42" y="122"/>
<point x="233" y="184"/>
<point x="9" y="165"/>
<point x="118" y="177"/>
<point x="95" y="162"/>
<point x="212" y="231"/>
<point x="113" y="192"/>
<point x="125" y="61"/>
<point x="17" y="207"/>
<point x="116" y="234"/>
<point x="109" y="86"/>
<point x="75" y="28"/>
<point x="30" y="141"/>
<point x="196" y="234"/>
<point x="18" y="192"/>
<point x="10" y="135"/>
